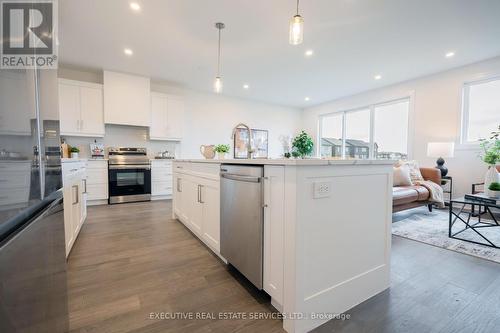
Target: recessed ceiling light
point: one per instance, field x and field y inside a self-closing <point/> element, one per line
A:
<point x="128" y="52"/>
<point x="135" y="6"/>
<point x="309" y="53"/>
<point x="246" y="86"/>
<point x="449" y="54"/>
<point x="307" y="99"/>
<point x="377" y="77"/>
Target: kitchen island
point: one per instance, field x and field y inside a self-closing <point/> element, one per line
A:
<point x="327" y="230"/>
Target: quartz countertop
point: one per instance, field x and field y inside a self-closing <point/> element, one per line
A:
<point x="291" y="161"/>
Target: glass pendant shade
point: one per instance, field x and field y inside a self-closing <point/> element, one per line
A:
<point x="218" y="84"/>
<point x="296" y="30"/>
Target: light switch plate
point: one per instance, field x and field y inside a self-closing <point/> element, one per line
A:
<point x="322" y="189"/>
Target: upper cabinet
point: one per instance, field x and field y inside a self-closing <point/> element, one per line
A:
<point x="17" y="102"/>
<point x="81" y="108"/>
<point x="167" y="117"/>
<point x="127" y="99"/>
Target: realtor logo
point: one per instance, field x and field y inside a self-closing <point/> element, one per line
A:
<point x="29" y="34"/>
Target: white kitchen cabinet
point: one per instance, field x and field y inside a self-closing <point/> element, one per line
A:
<point x="81" y="108"/>
<point x="167" y="117"/>
<point x="193" y="205"/>
<point x="97" y="182"/>
<point x="210" y="201"/>
<point x="196" y="202"/>
<point x="75" y="207"/>
<point x="178" y="197"/>
<point x="15" y="177"/>
<point x="161" y="179"/>
<point x="274" y="224"/>
<point x="17" y="106"/>
<point x="127" y="99"/>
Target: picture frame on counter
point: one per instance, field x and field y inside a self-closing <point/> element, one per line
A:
<point x="260" y="143"/>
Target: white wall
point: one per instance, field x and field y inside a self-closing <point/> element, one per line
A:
<point x="209" y="119"/>
<point x="436" y="117"/>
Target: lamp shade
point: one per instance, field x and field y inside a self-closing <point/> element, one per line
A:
<point x="440" y="149"/>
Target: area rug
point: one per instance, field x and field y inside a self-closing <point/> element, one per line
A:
<point x="432" y="228"/>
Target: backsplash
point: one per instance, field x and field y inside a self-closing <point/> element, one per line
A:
<point x="124" y="136"/>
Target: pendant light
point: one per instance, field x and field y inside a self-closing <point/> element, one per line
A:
<point x="296" y="28"/>
<point x="218" y="79"/>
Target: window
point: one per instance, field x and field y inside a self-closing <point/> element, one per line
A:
<point x="376" y="131"/>
<point x="481" y="109"/>
<point x="331" y="140"/>
<point x="391" y="131"/>
<point x="357" y="134"/>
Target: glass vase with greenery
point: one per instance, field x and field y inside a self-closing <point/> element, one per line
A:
<point x="302" y="145"/>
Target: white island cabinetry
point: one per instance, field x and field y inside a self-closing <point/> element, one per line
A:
<point x="75" y="199"/>
<point x="326" y="245"/>
<point x="196" y="201"/>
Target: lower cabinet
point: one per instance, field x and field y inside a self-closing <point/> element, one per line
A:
<point x="97" y="181"/>
<point x="161" y="179"/>
<point x="75" y="201"/>
<point x="196" y="204"/>
<point x="274" y="224"/>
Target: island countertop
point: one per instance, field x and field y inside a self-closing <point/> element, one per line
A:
<point x="291" y="161"/>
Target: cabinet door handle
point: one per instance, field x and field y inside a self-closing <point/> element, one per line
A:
<point x="85" y="186"/>
<point x="179" y="187"/>
<point x="199" y="194"/>
<point x="77" y="194"/>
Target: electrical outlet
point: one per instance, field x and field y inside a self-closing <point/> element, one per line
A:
<point x="322" y="189"/>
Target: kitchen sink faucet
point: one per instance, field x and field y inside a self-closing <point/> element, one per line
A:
<point x="249" y="141"/>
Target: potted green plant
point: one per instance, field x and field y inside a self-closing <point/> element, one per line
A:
<point x="74" y="152"/>
<point x="302" y="145"/>
<point x="221" y="151"/>
<point x="490" y="154"/>
<point x="494" y="190"/>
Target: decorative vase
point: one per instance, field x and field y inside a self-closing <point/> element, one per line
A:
<point x="74" y="155"/>
<point x="494" y="194"/>
<point x="207" y="151"/>
<point x="221" y="156"/>
<point x="490" y="177"/>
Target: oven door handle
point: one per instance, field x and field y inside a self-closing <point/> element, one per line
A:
<point x="130" y="166"/>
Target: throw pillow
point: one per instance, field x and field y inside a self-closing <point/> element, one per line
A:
<point x="415" y="174"/>
<point x="401" y="176"/>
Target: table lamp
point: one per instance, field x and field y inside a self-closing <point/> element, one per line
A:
<point x="440" y="150"/>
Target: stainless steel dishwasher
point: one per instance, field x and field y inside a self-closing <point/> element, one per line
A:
<point x="242" y="219"/>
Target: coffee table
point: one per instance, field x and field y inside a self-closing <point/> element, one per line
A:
<point x="472" y="222"/>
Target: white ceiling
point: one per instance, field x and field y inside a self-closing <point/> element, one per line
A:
<point x="353" y="40"/>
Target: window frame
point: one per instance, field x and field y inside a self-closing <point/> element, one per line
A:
<point x="464" y="124"/>
<point x="371" y="107"/>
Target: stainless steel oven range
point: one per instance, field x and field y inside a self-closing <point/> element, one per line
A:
<point x="129" y="175"/>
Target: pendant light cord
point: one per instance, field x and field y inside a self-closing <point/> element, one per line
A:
<point x="218" y="56"/>
<point x="297" y="7"/>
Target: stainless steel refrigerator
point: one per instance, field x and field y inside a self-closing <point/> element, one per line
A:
<point x="33" y="285"/>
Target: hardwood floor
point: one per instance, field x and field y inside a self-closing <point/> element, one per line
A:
<point x="133" y="260"/>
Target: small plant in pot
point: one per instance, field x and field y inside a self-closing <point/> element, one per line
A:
<point x="494" y="190"/>
<point x="221" y="151"/>
<point x="74" y="152"/>
<point x="302" y="145"/>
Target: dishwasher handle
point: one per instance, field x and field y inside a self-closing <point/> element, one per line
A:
<point x="248" y="179"/>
